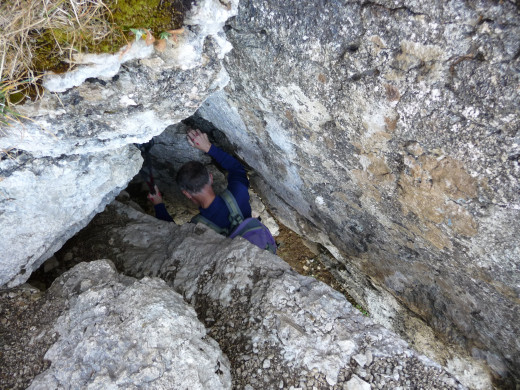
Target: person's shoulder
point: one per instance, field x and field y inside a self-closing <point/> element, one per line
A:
<point x="239" y="190"/>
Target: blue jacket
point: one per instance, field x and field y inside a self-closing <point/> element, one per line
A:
<point x="238" y="185"/>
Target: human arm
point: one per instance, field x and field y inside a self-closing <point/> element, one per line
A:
<point x="159" y="206"/>
<point x="236" y="172"/>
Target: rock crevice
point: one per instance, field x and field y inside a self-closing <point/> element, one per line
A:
<point x="76" y="152"/>
<point x="388" y="132"/>
<point x="278" y="328"/>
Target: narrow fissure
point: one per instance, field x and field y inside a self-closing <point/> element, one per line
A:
<point x="303" y="256"/>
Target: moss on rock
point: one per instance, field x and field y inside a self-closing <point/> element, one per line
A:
<point x="155" y="15"/>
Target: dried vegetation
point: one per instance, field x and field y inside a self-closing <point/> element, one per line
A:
<point x="40" y="35"/>
<point x="44" y="34"/>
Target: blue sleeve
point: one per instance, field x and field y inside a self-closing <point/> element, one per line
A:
<point x="161" y="213"/>
<point x="236" y="172"/>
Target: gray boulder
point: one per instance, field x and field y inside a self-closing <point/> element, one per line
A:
<point x="48" y="200"/>
<point x="278" y="328"/>
<point x="120" y="333"/>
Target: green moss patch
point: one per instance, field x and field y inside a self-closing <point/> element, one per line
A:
<point x="54" y="45"/>
<point x="155" y="15"/>
<point x="38" y="36"/>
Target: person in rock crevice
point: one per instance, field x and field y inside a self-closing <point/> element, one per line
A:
<point x="196" y="183"/>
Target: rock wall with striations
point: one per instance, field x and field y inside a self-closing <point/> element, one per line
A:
<point x="389" y="131"/>
<point x="75" y="151"/>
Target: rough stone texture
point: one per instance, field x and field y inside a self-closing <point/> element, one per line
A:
<point x="388" y="130"/>
<point x="99" y="329"/>
<point x="83" y="132"/>
<point x="278" y="328"/>
<point x="45" y="201"/>
<point x="117" y="332"/>
<point x="27" y="318"/>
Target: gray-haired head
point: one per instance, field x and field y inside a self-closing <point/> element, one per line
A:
<point x="192" y="177"/>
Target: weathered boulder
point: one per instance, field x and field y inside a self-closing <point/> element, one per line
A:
<point x="114" y="331"/>
<point x="75" y="153"/>
<point x="389" y="131"/>
<point x="93" y="322"/>
<point x="47" y="200"/>
<point x="278" y="328"/>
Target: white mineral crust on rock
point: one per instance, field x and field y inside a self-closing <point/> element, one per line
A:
<point x="95" y="65"/>
<point x="74" y="153"/>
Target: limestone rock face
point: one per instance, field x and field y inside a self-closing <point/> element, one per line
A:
<point x="49" y="200"/>
<point x="75" y="152"/>
<point x="389" y="131"/>
<point x="118" y="332"/>
<point x="278" y="328"/>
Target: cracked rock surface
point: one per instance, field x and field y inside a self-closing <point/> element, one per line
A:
<point x="278" y="328"/>
<point x="106" y="330"/>
<point x="389" y="132"/>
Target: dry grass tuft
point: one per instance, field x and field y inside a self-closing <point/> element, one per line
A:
<point x="38" y="35"/>
<point x="42" y="35"/>
<point x="27" y="25"/>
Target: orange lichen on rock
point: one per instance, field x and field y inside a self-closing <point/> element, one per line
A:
<point x="432" y="190"/>
<point x="176" y="32"/>
<point x="391" y="123"/>
<point x="378" y="166"/>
